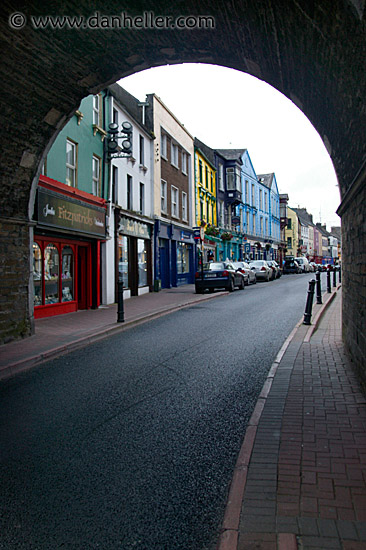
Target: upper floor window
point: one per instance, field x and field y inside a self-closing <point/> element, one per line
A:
<point x="206" y="176"/>
<point x="247" y="191"/>
<point x="142" y="150"/>
<point x="265" y="202"/>
<point x="163" y="196"/>
<point x="221" y="177"/>
<point x="200" y="175"/>
<point x="129" y="192"/>
<point x="230" y="179"/>
<point x="96" y="110"/>
<point x="212" y="182"/>
<point x="142" y="198"/>
<point x="71" y="163"/>
<point x="260" y="199"/>
<point x="253" y="194"/>
<point x="184" y="206"/>
<point x="115" y="116"/>
<point x="164" y="146"/>
<point x="289" y="221"/>
<point x="175" y="203"/>
<point x="96" y="175"/>
<point x="174" y="155"/>
<point x="184" y="163"/>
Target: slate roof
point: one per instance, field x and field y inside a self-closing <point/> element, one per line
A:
<point x="206" y="150"/>
<point x="267" y="179"/>
<point x="128" y="102"/>
<point x="231" y="154"/>
<point x="304" y="216"/>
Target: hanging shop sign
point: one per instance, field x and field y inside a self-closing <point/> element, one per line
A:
<point x="135" y="228"/>
<point x="58" y="211"/>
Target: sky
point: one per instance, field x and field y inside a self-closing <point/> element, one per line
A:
<point x="228" y="109"/>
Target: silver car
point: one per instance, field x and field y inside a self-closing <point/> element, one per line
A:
<point x="249" y="275"/>
<point x="261" y="269"/>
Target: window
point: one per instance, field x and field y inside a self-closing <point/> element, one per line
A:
<point x="260" y="199"/>
<point x="247" y="223"/>
<point x="67" y="274"/>
<point x="37" y="274"/>
<point x="175" y="204"/>
<point x="70" y="163"/>
<point x="206" y="176"/>
<point x="142" y="262"/>
<point x="51" y="274"/>
<point x="115" y="184"/>
<point x="212" y="183"/>
<point x="96" y="110"/>
<point x="289" y="223"/>
<point x="175" y="155"/>
<point x="129" y="192"/>
<point x="142" y="152"/>
<point x="230" y="179"/>
<point x="266" y="226"/>
<point x="163" y="196"/>
<point x="247" y="191"/>
<point x="289" y="242"/>
<point x="261" y="225"/>
<point x="115" y="115"/>
<point x="221" y="213"/>
<point x="253" y="195"/>
<point x="142" y="198"/>
<point x="184" y="206"/>
<point x="200" y="175"/>
<point x="183" y="250"/>
<point x="123" y="259"/>
<point x="221" y="177"/>
<point x="184" y="163"/>
<point x="96" y="175"/>
<point x="164" y="147"/>
<point x="201" y="210"/>
<point x="265" y="202"/>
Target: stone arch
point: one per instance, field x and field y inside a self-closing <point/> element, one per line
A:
<point x="313" y="52"/>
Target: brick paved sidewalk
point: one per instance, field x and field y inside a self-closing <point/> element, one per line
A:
<point x="306" y="480"/>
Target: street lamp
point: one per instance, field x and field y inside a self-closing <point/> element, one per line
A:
<point x="113" y="148"/>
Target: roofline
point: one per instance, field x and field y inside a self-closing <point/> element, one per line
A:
<point x="172" y="114"/>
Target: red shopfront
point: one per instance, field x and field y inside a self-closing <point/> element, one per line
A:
<point x="71" y="224"/>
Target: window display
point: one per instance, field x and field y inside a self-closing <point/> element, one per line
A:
<point x="142" y="262"/>
<point x="67" y="274"/>
<point x="183" y="257"/>
<point x="37" y="274"/>
<point x="51" y="274"/>
<point x="123" y="259"/>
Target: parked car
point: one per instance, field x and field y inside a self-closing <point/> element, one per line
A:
<point x="249" y="275"/>
<point x="277" y="271"/>
<point x="261" y="269"/>
<point x="303" y="263"/>
<point x="218" y="275"/>
<point x="313" y="267"/>
<point x="291" y="266"/>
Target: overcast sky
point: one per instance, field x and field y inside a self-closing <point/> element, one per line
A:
<point x="225" y="109"/>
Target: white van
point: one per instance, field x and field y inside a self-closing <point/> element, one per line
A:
<point x="304" y="264"/>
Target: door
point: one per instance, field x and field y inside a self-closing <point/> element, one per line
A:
<point x="164" y="265"/>
<point x="82" y="278"/>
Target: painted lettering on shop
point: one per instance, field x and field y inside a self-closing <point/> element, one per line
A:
<point x="74" y="216"/>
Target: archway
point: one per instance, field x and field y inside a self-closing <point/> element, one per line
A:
<point x="312" y="52"/>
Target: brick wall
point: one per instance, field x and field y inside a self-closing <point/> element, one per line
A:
<point x="174" y="176"/>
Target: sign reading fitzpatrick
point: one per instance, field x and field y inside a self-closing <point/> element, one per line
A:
<point x="66" y="213"/>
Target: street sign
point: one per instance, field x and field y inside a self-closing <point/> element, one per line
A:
<point x="202" y="233"/>
<point x="246" y="248"/>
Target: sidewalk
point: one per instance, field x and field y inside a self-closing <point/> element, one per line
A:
<point x="61" y="334"/>
<point x="300" y="479"/>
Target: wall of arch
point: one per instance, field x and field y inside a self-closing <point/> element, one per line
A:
<point x="313" y="52"/>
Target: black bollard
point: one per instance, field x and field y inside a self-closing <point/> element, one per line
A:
<point x="329" y="289"/>
<point x="309" y="302"/>
<point x="340" y="274"/>
<point x="334" y="277"/>
<point x="120" y="311"/>
<point x="318" y="288"/>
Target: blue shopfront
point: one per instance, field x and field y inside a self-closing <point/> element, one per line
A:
<point x="174" y="255"/>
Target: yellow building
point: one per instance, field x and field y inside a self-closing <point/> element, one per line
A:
<point x="205" y="183"/>
<point x="292" y="232"/>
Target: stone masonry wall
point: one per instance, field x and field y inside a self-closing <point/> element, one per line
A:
<point x="354" y="278"/>
<point x="15" y="318"/>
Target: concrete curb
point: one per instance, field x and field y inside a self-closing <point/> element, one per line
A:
<point x="20" y="366"/>
<point x="230" y="527"/>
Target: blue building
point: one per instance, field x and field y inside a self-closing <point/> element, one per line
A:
<point x="271" y="195"/>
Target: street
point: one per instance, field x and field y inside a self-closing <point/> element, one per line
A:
<point x="131" y="442"/>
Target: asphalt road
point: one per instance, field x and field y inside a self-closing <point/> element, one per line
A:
<point x="131" y="442"/>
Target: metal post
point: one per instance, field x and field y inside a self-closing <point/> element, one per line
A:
<point x="309" y="302"/>
<point x="120" y="312"/>
<point x="340" y="274"/>
<point x="329" y="289"/>
<point x="318" y="288"/>
<point x="334" y="277"/>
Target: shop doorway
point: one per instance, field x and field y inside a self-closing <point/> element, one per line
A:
<point x="82" y="280"/>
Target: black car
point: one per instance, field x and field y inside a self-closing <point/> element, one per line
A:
<point x="291" y="266"/>
<point x="218" y="275"/>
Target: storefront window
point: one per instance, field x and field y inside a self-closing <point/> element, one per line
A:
<point x="123" y="259"/>
<point x="37" y="274"/>
<point x="67" y="274"/>
<point x="51" y="269"/>
<point x="142" y="262"/>
<point x="183" y="257"/>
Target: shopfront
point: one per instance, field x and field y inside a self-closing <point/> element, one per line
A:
<point x="174" y="255"/>
<point x="134" y="260"/>
<point x="70" y="226"/>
